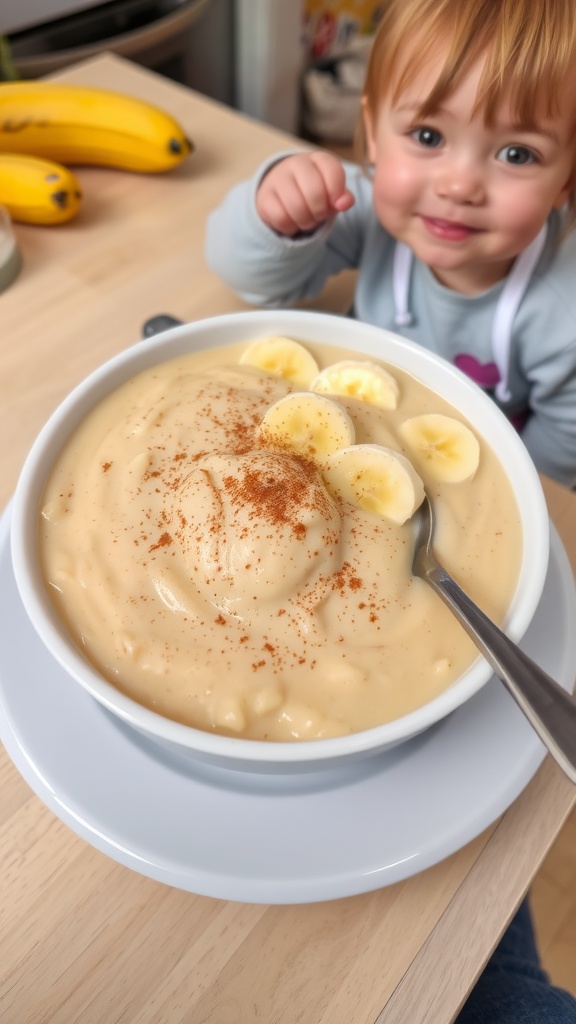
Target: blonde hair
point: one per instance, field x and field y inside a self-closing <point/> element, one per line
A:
<point x="529" y="46"/>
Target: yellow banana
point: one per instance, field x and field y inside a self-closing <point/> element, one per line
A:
<point x="83" y="125"/>
<point x="38" y="191"/>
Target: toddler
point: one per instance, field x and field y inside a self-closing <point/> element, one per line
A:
<point x="458" y="221"/>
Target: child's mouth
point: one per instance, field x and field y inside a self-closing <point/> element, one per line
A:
<point x="448" y="230"/>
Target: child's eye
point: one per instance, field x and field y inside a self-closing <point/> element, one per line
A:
<point x="517" y="155"/>
<point x="428" y="137"/>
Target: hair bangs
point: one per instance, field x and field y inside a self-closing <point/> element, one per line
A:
<point x="529" y="51"/>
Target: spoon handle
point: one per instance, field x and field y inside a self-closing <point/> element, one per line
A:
<point x="550" y="709"/>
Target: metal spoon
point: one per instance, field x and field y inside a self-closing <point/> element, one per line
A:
<point x="549" y="709"/>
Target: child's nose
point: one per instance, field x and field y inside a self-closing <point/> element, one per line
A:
<point x="462" y="182"/>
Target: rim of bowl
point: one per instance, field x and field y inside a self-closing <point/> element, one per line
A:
<point x="314" y="327"/>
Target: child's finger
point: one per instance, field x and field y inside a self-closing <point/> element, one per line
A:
<point x="272" y="210"/>
<point x="334" y="177"/>
<point x="297" y="201"/>
<point x="344" y="202"/>
<point x="306" y="197"/>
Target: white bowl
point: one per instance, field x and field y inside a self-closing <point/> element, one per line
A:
<point x="253" y="755"/>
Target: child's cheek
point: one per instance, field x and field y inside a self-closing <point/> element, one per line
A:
<point x="397" y="188"/>
<point x="521" y="215"/>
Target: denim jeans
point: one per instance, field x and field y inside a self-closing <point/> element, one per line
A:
<point x="514" y="989"/>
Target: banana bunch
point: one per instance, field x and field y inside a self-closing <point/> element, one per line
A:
<point x="69" y="124"/>
<point x="81" y="125"/>
<point x="373" y="477"/>
<point x="37" y="191"/>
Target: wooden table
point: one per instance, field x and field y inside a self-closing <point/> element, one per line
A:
<point x="83" y="938"/>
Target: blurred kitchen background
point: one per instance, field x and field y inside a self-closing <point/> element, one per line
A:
<point x="295" y="64"/>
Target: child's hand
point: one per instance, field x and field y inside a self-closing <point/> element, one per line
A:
<point x="301" y="192"/>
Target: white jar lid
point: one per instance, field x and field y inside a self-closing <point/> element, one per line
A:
<point x="10" y="258"/>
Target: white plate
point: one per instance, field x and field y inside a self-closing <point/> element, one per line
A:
<point x="264" y="839"/>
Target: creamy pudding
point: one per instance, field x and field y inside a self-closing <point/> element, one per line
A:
<point x="221" y="580"/>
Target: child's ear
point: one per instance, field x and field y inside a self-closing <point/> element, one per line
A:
<point x="369" y="131"/>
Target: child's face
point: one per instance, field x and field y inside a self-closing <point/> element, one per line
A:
<point x="467" y="198"/>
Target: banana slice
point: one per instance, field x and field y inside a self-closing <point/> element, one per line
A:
<point x="282" y="357"/>
<point x="377" y="479"/>
<point x="446" y="447"/>
<point x="309" y="424"/>
<point x="359" y="379"/>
